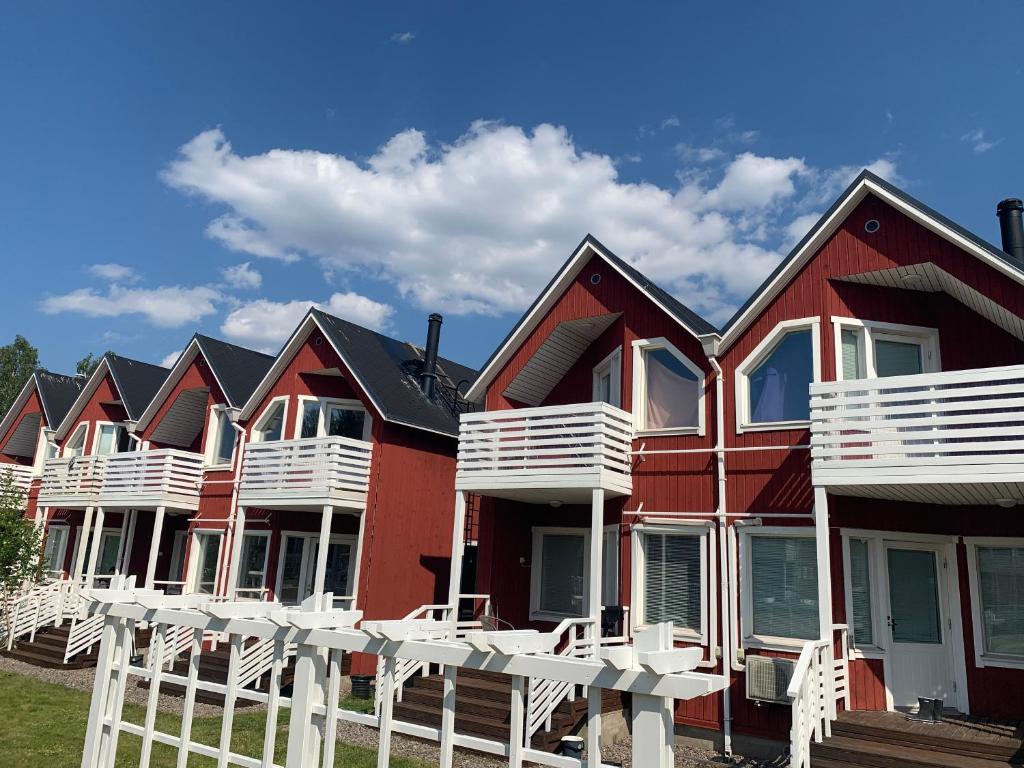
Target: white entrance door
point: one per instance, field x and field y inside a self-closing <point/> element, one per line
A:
<point x="921" y="658"/>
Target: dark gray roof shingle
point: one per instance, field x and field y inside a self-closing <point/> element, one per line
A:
<point x="239" y="370"/>
<point x="137" y="382"/>
<point x="57" y="393"/>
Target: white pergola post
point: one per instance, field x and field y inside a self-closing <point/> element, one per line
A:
<point x="824" y="563"/>
<point x="154" y="546"/>
<point x="126" y="515"/>
<point x="235" y="562"/>
<point x="448" y="716"/>
<point x="128" y="540"/>
<point x="83" y="543"/>
<point x="653" y="729"/>
<point x="94" y="551"/>
<point x="455" y="574"/>
<point x="594" y="598"/>
<point x="353" y="588"/>
<point x="321" y="555"/>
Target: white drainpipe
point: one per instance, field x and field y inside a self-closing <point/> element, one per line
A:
<point x="723" y="559"/>
<point x="236" y="470"/>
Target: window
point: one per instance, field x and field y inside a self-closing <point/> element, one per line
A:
<point x="773" y="382"/>
<point x="111" y="438"/>
<point x="671" y="579"/>
<point x="560" y="573"/>
<point x="252" y="571"/>
<point x="869" y="350"/>
<point x="75" y="445"/>
<point x="207" y="558"/>
<point x="56" y="549"/>
<point x="608" y="379"/>
<point x="1000" y="598"/>
<point x="322" y="418"/>
<point x="45" y="450"/>
<point x="668" y="389"/>
<point x="781" y="591"/>
<point x="222" y="438"/>
<point x="859" y="610"/>
<point x="270" y="426"/>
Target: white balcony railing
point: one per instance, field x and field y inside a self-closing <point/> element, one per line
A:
<point x="73" y="481"/>
<point x="310" y="472"/>
<point x="164" y="477"/>
<point x="875" y="437"/>
<point x="21" y="475"/>
<point x="525" y="452"/>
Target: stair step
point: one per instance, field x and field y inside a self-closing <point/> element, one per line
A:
<point x="873" y="754"/>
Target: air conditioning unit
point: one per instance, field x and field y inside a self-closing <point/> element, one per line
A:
<point x="768" y="679"/>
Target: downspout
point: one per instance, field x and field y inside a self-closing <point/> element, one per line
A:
<point x="236" y="468"/>
<point x="723" y="555"/>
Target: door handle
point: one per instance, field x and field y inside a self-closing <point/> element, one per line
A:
<point x="892" y="624"/>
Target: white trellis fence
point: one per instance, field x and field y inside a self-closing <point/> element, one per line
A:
<point x="651" y="670"/>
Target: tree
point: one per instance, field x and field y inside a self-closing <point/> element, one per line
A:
<point x="19" y="545"/>
<point x="18" y="361"/>
<point x="88" y="364"/>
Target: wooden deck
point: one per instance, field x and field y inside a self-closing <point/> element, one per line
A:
<point x="890" y="740"/>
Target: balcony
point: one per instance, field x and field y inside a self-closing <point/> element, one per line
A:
<point x="151" y="479"/>
<point x="306" y="474"/>
<point x="72" y="482"/>
<point x="21" y="475"/>
<point x="551" y="453"/>
<point x="940" y="438"/>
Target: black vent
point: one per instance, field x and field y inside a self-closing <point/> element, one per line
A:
<point x="1011" y="227"/>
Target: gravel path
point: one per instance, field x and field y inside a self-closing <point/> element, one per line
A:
<point x="361" y="735"/>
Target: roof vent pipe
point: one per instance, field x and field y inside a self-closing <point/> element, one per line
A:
<point x="1011" y="227"/>
<point x="428" y="376"/>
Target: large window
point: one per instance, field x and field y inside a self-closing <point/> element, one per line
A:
<point x="781" y="589"/>
<point x="222" y="434"/>
<point x="560" y="572"/>
<point x="207" y="558"/>
<point x="252" y="571"/>
<point x="668" y="389"/>
<point x="75" y="446"/>
<point x="773" y="382"/>
<point x="56" y="549"/>
<point x="321" y="418"/>
<point x="997" y="590"/>
<point x="671" y="580"/>
<point x="111" y="438"/>
<point x="869" y="350"/>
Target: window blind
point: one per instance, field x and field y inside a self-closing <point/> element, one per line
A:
<point x="672" y="582"/>
<point x="562" y="574"/>
<point x="1001" y="573"/>
<point x="897" y="358"/>
<point x="610" y="568"/>
<point x="850" y="351"/>
<point x="860" y="593"/>
<point x="784" y="588"/>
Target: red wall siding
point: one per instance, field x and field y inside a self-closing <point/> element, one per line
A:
<point x="32" y="405"/>
<point x="198" y="375"/>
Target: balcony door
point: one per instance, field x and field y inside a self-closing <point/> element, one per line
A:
<point x="297" y="571"/>
<point x="111" y="438"/>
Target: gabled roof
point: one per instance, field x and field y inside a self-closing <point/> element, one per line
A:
<point x="136" y="383"/>
<point x="56" y="393"/>
<point x="382" y="367"/>
<point x="237" y="370"/>
<point x="588" y="247"/>
<point x="866" y="183"/>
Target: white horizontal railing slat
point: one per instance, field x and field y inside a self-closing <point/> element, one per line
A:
<point x="161" y="472"/>
<point x="72" y="476"/>
<point x="314" y="466"/>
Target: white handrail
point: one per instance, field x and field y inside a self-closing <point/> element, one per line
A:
<point x="159" y="472"/>
<point x="75" y="476"/>
<point x="545" y="696"/>
<point x="313" y="466"/>
<point x="819" y="681"/>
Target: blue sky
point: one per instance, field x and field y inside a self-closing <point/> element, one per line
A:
<point x="389" y="161"/>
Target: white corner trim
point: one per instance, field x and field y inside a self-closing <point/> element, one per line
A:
<point x="756" y="357"/>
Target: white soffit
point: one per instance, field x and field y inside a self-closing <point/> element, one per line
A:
<point x="559" y="352"/>
<point x="23" y="440"/>
<point x="184" y="420"/>
<point x="929" y="278"/>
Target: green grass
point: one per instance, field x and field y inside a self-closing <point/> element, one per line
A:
<point x="43" y="726"/>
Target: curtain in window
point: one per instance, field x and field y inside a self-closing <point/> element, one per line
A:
<point x="672" y="391"/>
<point x="1001" y="577"/>
<point x="860" y="593"/>
<point x="780" y="385"/>
<point x="672" y="583"/>
<point x="563" y="575"/>
<point x="784" y="588"/>
<point x="610" y="568"/>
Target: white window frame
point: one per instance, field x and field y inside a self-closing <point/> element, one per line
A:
<point x="260" y="424"/>
<point x="41" y="448"/>
<point x="696" y="530"/>
<point x="749" y="639"/>
<point x="178" y="556"/>
<point x="876" y="562"/>
<point x="640" y="388"/>
<point x="326" y="403"/>
<point x="868" y="331"/>
<point x="98" y="432"/>
<point x="536" y="558"/>
<point x="612" y="366"/>
<point x="758" y="356"/>
<point x="266" y="563"/>
<point x="982" y="659"/>
<point x="213" y="425"/>
<point x="83" y="427"/>
<point x="311" y="538"/>
<point x="62" y="558"/>
<point x="191" y="581"/>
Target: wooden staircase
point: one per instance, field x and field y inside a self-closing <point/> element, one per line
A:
<point x="47" y="650"/>
<point x="483" y="704"/>
<point x="889" y="740"/>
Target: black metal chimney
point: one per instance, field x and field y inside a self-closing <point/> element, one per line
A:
<point x="1011" y="227"/>
<point x="429" y="373"/>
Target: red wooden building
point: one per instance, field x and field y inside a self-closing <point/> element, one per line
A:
<point x="836" y="469"/>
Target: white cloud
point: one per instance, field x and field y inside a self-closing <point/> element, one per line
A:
<point x="167" y="307"/>
<point x="672" y="121"/>
<point x="480" y="224"/>
<point x="264" y="322"/>
<point x="690" y="153"/>
<point x="242" y="276"/>
<point x="170" y="359"/>
<point x="403" y="38"/>
<point x="976" y="138"/>
<point x="115" y="273"/>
